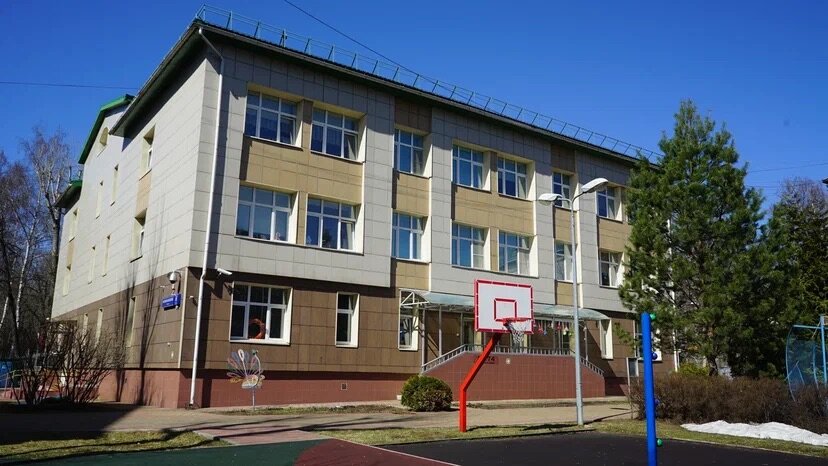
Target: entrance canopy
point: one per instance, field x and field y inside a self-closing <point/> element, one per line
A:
<point x="430" y="300"/>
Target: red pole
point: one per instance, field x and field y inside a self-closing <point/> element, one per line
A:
<point x="470" y="376"/>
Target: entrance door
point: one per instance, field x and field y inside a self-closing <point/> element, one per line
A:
<point x="468" y="335"/>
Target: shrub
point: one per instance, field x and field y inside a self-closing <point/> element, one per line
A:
<point x="692" y="398"/>
<point x="688" y="368"/>
<point x="424" y="393"/>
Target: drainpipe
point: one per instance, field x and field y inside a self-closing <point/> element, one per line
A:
<point x="209" y="221"/>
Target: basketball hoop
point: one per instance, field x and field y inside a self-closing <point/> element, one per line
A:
<point x="517" y="332"/>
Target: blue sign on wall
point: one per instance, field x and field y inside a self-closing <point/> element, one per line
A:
<point x="171" y="301"/>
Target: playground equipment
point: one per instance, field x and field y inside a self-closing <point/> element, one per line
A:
<point x="805" y="356"/>
<point x="498" y="308"/>
<point x="650" y="402"/>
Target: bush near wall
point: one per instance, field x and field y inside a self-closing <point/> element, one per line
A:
<point x="424" y="393"/>
<point x="698" y="399"/>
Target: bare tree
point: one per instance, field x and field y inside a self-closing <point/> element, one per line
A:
<point x="48" y="155"/>
<point x="83" y="363"/>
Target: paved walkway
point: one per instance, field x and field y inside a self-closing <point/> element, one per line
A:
<point x="247" y="429"/>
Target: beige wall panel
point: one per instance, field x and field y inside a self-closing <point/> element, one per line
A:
<point x="612" y="235"/>
<point x="298" y="170"/>
<point x="409" y="275"/>
<point x="563" y="293"/>
<point x="486" y="209"/>
<point x="411" y="194"/>
<point x="562" y="225"/>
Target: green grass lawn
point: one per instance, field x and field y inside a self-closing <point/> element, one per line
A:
<point x="109" y="442"/>
<point x="416" y="435"/>
<point x="674" y="431"/>
<point x="292" y="411"/>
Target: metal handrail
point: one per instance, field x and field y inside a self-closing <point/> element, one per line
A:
<point x="401" y="75"/>
<point x="504" y="349"/>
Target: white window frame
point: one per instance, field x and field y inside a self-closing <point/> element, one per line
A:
<point x="130" y="322"/>
<point x="415" y="146"/>
<point x="349" y="127"/>
<point x="605" y="340"/>
<point x="408" y="314"/>
<point x="285" y="307"/>
<point x="73" y="224"/>
<point x="341" y="220"/>
<point x="282" y="112"/>
<point x="412" y="227"/>
<point x="562" y="184"/>
<point x="353" y="322"/>
<point x="114" y="185"/>
<point x="612" y="260"/>
<point x="105" y="265"/>
<point x="523" y="259"/>
<point x="91" y="274"/>
<point x="466" y="233"/>
<point x="149" y="140"/>
<point x="604" y="196"/>
<point x="67" y="278"/>
<point x="139" y="229"/>
<point x="469" y="158"/>
<point x="563" y="252"/>
<point x="98" y="325"/>
<point x="509" y="167"/>
<point x="99" y="200"/>
<point x="274" y="207"/>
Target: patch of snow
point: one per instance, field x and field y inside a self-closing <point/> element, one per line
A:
<point x="770" y="430"/>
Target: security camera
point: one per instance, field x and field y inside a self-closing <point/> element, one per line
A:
<point x="223" y="272"/>
<point x="173" y="277"/>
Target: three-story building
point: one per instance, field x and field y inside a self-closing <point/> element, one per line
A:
<point x="343" y="219"/>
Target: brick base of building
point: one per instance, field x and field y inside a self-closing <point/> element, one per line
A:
<point x="520" y="377"/>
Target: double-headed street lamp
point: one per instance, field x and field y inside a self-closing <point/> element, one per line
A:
<point x="549" y="199"/>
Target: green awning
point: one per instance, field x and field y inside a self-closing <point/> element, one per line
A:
<point x="565" y="312"/>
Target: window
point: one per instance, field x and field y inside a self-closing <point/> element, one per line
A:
<point x="406" y="238"/>
<point x="73" y="224"/>
<point x="563" y="261"/>
<point x="85" y="325"/>
<point x="605" y="330"/>
<point x="609" y="263"/>
<point x="103" y="138"/>
<point x="67" y="278"/>
<point x="330" y="224"/>
<point x="98" y="325"/>
<point x="346" y="319"/>
<point x="260" y="313"/>
<point x="408" y="327"/>
<point x="562" y="184"/>
<point x="99" y="200"/>
<point x="114" y="185"/>
<point x="146" y="159"/>
<point x="467" y="246"/>
<point x="607" y="203"/>
<point x="138" y="235"/>
<point x="513" y="253"/>
<point x="130" y="322"/>
<point x="105" y="265"/>
<point x="511" y="178"/>
<point x="408" y="152"/>
<point x="467" y="167"/>
<point x="92" y="265"/>
<point x="334" y="134"/>
<point x="263" y="214"/>
<point x="270" y="118"/>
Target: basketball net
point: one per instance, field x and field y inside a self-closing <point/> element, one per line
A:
<point x="517" y="333"/>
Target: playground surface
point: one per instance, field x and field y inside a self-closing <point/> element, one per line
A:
<point x="588" y="449"/>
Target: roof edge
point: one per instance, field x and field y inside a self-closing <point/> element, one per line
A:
<point x="90" y="140"/>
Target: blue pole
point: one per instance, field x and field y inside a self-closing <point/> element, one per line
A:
<point x="649" y="389"/>
<point x="824" y="373"/>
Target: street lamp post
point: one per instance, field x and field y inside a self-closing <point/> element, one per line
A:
<point x="548" y="199"/>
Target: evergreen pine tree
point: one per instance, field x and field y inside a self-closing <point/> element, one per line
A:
<point x="695" y="224"/>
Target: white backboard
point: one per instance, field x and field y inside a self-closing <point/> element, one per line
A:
<point x="496" y="301"/>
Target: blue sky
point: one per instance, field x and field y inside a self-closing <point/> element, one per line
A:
<point x="617" y="69"/>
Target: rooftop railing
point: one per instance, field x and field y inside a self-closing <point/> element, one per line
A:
<point x="405" y="76"/>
